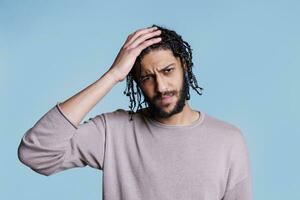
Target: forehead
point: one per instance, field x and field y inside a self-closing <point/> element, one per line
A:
<point x="158" y="59"/>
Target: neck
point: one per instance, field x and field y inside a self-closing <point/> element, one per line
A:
<point x="185" y="117"/>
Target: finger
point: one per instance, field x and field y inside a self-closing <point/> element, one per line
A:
<point x="146" y="43"/>
<point x="137" y="33"/>
<point x="143" y="38"/>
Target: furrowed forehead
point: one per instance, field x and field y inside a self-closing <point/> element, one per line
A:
<point x="156" y="60"/>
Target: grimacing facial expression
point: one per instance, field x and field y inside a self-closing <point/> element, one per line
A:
<point x="162" y="83"/>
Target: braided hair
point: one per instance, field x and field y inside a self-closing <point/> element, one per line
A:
<point x="170" y="40"/>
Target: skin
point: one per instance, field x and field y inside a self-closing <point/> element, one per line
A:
<point x="77" y="106"/>
<point x="156" y="108"/>
<point x="162" y="75"/>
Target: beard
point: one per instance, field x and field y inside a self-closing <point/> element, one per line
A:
<point x="157" y="111"/>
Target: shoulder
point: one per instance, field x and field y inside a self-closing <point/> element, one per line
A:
<point x="223" y="129"/>
<point x="111" y="117"/>
<point x="230" y="136"/>
<point x="115" y="115"/>
<point x="220" y="124"/>
<point x="118" y="118"/>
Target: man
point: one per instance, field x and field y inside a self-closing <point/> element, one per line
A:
<point x="164" y="151"/>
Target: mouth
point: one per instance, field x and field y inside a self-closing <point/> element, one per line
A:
<point x="167" y="99"/>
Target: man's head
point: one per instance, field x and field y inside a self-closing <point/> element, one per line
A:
<point x="161" y="70"/>
<point x="163" y="83"/>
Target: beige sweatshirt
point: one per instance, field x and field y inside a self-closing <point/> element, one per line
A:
<point x="144" y="159"/>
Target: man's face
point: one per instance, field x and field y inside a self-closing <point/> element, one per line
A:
<point x="162" y="83"/>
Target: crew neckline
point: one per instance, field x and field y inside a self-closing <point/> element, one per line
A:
<point x="195" y="123"/>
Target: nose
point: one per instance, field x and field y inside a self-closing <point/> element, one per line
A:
<point x="161" y="85"/>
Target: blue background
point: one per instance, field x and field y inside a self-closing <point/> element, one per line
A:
<point x="245" y="54"/>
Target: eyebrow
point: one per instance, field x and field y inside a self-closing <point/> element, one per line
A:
<point x="164" y="68"/>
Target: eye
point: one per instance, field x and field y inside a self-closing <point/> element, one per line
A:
<point x="146" y="78"/>
<point x="169" y="70"/>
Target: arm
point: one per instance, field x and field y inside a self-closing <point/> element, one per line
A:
<point x="76" y="107"/>
<point x="58" y="141"/>
<point x="239" y="185"/>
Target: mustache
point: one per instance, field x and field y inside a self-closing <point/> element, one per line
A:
<point x="160" y="95"/>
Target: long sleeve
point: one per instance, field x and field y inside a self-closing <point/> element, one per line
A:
<point x="55" y="144"/>
<point x="239" y="186"/>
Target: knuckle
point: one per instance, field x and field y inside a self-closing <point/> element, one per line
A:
<point x="131" y="51"/>
<point x="128" y="50"/>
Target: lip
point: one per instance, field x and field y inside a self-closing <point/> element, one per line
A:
<point x="166" y="99"/>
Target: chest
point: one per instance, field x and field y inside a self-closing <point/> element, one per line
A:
<point x="178" y="166"/>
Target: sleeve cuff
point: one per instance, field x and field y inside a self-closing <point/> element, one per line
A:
<point x="61" y="112"/>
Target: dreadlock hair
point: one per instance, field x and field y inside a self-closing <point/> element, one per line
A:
<point x="170" y="40"/>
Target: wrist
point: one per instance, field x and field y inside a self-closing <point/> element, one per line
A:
<point x="113" y="74"/>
